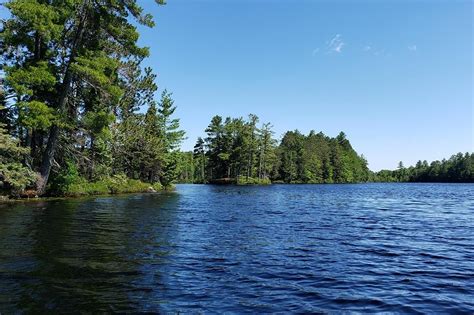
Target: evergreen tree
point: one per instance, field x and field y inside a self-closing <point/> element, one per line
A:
<point x="459" y="168"/>
<point x="200" y="158"/>
<point x="172" y="137"/>
<point x="14" y="177"/>
<point x="67" y="62"/>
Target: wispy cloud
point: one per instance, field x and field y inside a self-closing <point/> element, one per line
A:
<point x="335" y="44"/>
<point x="375" y="50"/>
<point x="412" y="48"/>
<point x="315" y="51"/>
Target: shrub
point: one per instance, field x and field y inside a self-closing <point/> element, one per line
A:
<point x="243" y="180"/>
<point x="68" y="183"/>
<point x="66" y="180"/>
<point x="14" y="177"/>
<point x="157" y="186"/>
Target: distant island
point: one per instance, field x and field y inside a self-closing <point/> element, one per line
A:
<point x="239" y="151"/>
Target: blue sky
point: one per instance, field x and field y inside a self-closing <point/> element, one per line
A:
<point x="395" y="76"/>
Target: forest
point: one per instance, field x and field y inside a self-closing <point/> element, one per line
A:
<point x="457" y="169"/>
<point x="241" y="151"/>
<point x="79" y="115"/>
<point x="246" y="152"/>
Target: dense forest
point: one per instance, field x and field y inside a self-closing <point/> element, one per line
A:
<point x="77" y="109"/>
<point x="244" y="151"/>
<point x="241" y="151"/>
<point x="458" y="169"/>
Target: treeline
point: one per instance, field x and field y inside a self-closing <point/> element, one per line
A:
<point x="458" y="169"/>
<point x="244" y="151"/>
<point x="72" y="100"/>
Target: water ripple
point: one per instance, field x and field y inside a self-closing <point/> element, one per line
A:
<point x="403" y="248"/>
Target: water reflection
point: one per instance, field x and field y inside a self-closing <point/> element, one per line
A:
<point x="93" y="254"/>
<point x="299" y="248"/>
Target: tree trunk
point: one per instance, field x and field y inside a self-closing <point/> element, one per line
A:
<point x="48" y="158"/>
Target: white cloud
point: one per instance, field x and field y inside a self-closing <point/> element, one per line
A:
<point x="335" y="44"/>
<point x="375" y="51"/>
<point x="412" y="48"/>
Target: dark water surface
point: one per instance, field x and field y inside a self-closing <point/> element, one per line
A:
<point x="303" y="248"/>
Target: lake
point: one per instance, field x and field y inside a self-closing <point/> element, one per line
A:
<point x="282" y="248"/>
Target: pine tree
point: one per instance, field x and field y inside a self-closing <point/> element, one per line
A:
<point x="14" y="177"/>
<point x="67" y="62"/>
<point x="172" y="137"/>
<point x="199" y="155"/>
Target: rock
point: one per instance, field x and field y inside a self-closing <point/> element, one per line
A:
<point x="151" y="190"/>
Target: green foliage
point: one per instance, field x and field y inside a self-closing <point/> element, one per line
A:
<point x="96" y="68"/>
<point x="235" y="147"/>
<point x="317" y="158"/>
<point x="68" y="182"/>
<point x="198" y="162"/>
<point x="30" y="78"/>
<point x="14" y="177"/>
<point x="243" y="180"/>
<point x="145" y="145"/>
<point x="35" y="115"/>
<point x="68" y="65"/>
<point x="10" y="149"/>
<point x="171" y="137"/>
<point x="291" y="155"/>
<point x="186" y="168"/>
<point x="169" y="127"/>
<point x="98" y="122"/>
<point x="37" y="16"/>
<point x="122" y="184"/>
<point x="157" y="186"/>
<point x="63" y="181"/>
<point x="459" y="168"/>
<point x="170" y="170"/>
<point x="235" y="150"/>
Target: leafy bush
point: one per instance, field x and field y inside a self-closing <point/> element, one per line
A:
<point x="14" y="177"/>
<point x="69" y="183"/>
<point x="116" y="183"/>
<point x="66" y="179"/>
<point x="243" y="180"/>
<point x="157" y="186"/>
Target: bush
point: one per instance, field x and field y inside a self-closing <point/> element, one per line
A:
<point x="14" y="178"/>
<point x="67" y="179"/>
<point x="69" y="183"/>
<point x="243" y="180"/>
<point x="157" y="186"/>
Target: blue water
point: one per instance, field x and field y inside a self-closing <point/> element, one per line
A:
<point x="405" y="248"/>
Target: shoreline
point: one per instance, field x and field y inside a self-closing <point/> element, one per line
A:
<point x="7" y="199"/>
